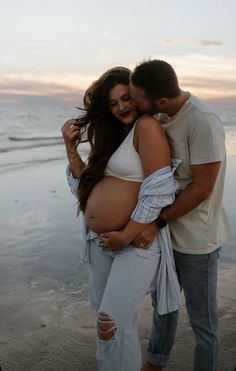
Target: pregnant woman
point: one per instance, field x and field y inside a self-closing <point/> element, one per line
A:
<point x="121" y="188"/>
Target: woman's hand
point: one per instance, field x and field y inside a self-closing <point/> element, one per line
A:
<point x="71" y="132"/>
<point x="113" y="241"/>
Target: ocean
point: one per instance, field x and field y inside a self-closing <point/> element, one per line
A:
<point x="30" y="132"/>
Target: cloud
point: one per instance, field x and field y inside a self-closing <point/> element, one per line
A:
<point x="167" y="41"/>
<point x="209" y="87"/>
<point x="211" y="43"/>
<point x="204" y="75"/>
<point x="62" y="85"/>
<point x="190" y="42"/>
<point x="31" y="87"/>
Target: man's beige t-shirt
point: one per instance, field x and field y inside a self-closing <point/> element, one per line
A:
<point x="196" y="136"/>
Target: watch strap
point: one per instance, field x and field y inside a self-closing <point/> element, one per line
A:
<point x="161" y="223"/>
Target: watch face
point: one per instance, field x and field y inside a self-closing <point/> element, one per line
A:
<point x="161" y="223"/>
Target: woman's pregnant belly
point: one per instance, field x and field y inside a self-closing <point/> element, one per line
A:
<point x="111" y="203"/>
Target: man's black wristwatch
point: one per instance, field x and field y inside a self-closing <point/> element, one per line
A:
<point x="161" y="223"/>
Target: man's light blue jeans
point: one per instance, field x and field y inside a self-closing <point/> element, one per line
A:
<point x="198" y="278"/>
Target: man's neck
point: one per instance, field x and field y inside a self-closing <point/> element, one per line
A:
<point x="177" y="103"/>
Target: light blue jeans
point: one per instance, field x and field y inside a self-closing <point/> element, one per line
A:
<point x="118" y="285"/>
<point x="198" y="278"/>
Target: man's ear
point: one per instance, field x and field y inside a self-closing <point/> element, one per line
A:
<point x="163" y="102"/>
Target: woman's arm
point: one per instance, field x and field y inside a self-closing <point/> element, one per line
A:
<point x="71" y="133"/>
<point x="152" y="146"/>
<point x="151" y="143"/>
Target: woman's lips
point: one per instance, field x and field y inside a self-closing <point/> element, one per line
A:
<point x="125" y="114"/>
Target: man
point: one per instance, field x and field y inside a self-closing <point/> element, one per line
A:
<point x="197" y="219"/>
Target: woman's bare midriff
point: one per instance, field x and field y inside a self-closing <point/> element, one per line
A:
<point x="110" y="204"/>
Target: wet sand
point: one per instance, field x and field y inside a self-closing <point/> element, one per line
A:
<point x="46" y="322"/>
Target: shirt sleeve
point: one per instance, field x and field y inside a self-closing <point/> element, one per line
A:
<point x="72" y="182"/>
<point x="157" y="191"/>
<point x="206" y="140"/>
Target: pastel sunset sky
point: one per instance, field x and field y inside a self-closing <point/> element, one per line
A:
<point x="58" y="47"/>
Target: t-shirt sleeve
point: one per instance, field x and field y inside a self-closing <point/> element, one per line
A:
<point x="206" y="140"/>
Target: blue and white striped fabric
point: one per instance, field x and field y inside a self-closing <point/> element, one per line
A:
<point x="167" y="284"/>
<point x="72" y="182"/>
<point x="157" y="191"/>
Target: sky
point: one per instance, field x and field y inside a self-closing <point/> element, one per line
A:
<point x="58" y="47"/>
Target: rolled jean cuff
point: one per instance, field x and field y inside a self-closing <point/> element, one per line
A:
<point x="160" y="360"/>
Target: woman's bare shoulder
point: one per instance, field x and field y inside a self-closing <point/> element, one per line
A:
<point x="148" y="123"/>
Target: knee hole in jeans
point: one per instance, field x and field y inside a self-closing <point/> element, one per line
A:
<point x="106" y="327"/>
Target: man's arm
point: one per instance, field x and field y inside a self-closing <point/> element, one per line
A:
<point x="204" y="177"/>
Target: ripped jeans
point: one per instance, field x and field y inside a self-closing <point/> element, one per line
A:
<point x="118" y="284"/>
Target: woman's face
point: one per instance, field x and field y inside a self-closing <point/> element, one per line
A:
<point x="120" y="104"/>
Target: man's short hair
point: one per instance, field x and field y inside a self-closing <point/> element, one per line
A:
<point x="157" y="78"/>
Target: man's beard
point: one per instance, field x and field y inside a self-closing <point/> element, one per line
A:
<point x="154" y="109"/>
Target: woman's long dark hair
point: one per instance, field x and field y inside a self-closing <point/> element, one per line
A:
<point x="105" y="133"/>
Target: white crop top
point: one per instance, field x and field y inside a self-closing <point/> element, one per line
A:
<point x="125" y="162"/>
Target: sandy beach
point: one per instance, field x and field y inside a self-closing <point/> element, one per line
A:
<point x="46" y="322"/>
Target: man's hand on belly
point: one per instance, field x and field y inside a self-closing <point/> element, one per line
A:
<point x="145" y="238"/>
